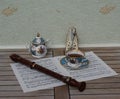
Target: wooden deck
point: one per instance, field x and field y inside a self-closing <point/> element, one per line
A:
<point x="104" y="88"/>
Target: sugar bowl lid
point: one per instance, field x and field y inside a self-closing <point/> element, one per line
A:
<point x="38" y="40"/>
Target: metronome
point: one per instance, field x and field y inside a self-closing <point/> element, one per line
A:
<point x="74" y="57"/>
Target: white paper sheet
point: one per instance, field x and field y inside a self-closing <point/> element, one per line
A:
<point x="96" y="69"/>
<point x="32" y="80"/>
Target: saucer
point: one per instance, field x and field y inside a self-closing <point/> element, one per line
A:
<point x="82" y="62"/>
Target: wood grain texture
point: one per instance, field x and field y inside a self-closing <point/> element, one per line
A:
<point x="62" y="91"/>
<point x="9" y="86"/>
<point x="103" y="88"/>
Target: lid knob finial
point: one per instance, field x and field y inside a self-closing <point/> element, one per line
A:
<point x="38" y="34"/>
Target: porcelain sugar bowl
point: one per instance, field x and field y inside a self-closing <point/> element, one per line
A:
<point x="38" y="47"/>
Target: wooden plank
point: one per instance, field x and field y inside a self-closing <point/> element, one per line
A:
<point x="20" y="93"/>
<point x="112" y="62"/>
<point x="8" y="78"/>
<point x="28" y="56"/>
<point x="116" y="96"/>
<point x="10" y="88"/>
<point x="103" y="85"/>
<point x="5" y="73"/>
<point x="62" y="91"/>
<point x="108" y="54"/>
<point x="13" y="50"/>
<point x="96" y="91"/>
<point x="109" y="58"/>
<point x="105" y="80"/>
<point x="18" y="50"/>
<point x="28" y="97"/>
<point x="114" y="66"/>
<point x="5" y="64"/>
<point x="99" y="48"/>
<point x="9" y="83"/>
<point x="5" y="68"/>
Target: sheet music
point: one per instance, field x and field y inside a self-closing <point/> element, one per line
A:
<point x="32" y="80"/>
<point x="96" y="69"/>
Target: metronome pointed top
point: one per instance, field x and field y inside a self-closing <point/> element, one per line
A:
<point x="38" y="34"/>
<point x="73" y="30"/>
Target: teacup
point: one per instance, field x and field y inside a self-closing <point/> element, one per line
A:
<point x="76" y="59"/>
